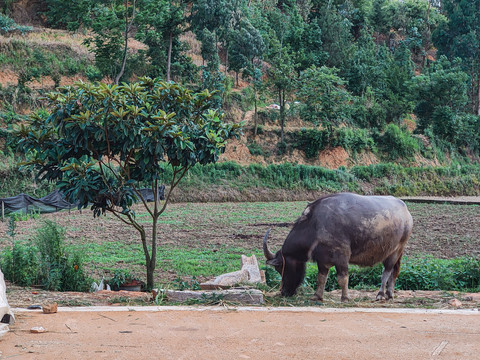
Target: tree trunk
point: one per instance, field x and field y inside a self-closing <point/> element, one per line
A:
<point x="473" y="98"/>
<point x="281" y="99"/>
<point x="169" y="56"/>
<point x="226" y="60"/>
<point x="152" y="262"/>
<point x="478" y="90"/>
<point x="255" y="114"/>
<point x="125" y="51"/>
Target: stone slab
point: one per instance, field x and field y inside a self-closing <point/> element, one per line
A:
<point x="244" y="296"/>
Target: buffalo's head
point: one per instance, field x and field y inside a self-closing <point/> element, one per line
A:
<point x="291" y="270"/>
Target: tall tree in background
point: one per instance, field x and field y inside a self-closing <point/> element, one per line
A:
<point x="460" y="37"/>
<point x="246" y="47"/>
<point x="336" y="34"/>
<point x="108" y="37"/>
<point x="161" y="22"/>
<point x="129" y="18"/>
<point x="325" y="101"/>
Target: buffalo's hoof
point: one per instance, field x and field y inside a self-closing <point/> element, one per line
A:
<point x="315" y="297"/>
<point x="382" y="296"/>
<point x="345" y="299"/>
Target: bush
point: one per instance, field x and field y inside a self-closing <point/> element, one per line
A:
<point x="7" y="25"/>
<point x="428" y="273"/>
<point x="255" y="149"/>
<point x="398" y="143"/>
<point x="58" y="269"/>
<point x="311" y="141"/>
<point x="20" y="264"/>
<point x="355" y="140"/>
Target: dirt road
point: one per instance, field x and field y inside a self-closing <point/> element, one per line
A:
<point x="242" y="333"/>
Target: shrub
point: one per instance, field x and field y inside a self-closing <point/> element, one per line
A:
<point x="355" y="140"/>
<point x="311" y="141"/>
<point x="8" y="25"/>
<point x="58" y="270"/>
<point x="20" y="265"/>
<point x="398" y="143"/>
<point x="427" y="273"/>
<point x="255" y="149"/>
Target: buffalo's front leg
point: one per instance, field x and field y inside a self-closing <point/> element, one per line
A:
<point x="321" y="281"/>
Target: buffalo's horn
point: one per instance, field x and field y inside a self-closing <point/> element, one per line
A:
<point x="268" y="254"/>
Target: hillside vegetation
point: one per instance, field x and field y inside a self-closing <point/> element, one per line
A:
<point x="372" y="96"/>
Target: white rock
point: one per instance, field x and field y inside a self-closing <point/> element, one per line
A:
<point x="455" y="303"/>
<point x="38" y="330"/>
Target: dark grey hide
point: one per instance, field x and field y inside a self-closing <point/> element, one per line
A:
<point x="341" y="229"/>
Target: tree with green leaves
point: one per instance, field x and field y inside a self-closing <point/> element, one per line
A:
<point x="246" y="47"/>
<point x="101" y="143"/>
<point x="161" y="22"/>
<point x="108" y="38"/>
<point x="325" y="101"/>
<point x="281" y="78"/>
<point x="440" y="95"/>
<point x="459" y="37"/>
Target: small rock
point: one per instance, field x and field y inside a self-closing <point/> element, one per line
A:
<point x="38" y="330"/>
<point x="455" y="303"/>
<point x="50" y="308"/>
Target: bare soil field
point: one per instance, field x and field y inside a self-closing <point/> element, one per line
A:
<point x="440" y="230"/>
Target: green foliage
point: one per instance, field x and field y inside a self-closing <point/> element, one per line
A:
<point x="58" y="269"/>
<point x="108" y="39"/>
<point x="427" y="273"/>
<point x="69" y="15"/>
<point x="398" y="143"/>
<point x="367" y="112"/>
<point x="311" y="141"/>
<point x="119" y="278"/>
<point x="93" y="73"/>
<point x="33" y="62"/>
<point x="102" y="143"/>
<point x="46" y="262"/>
<point x="325" y="101"/>
<point x="8" y="25"/>
<point x="191" y="284"/>
<point x="255" y="149"/>
<point x="440" y="93"/>
<point x="19" y="264"/>
<point x="355" y="140"/>
<point x="459" y="36"/>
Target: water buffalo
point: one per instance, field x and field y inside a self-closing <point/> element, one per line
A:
<point x="341" y="229"/>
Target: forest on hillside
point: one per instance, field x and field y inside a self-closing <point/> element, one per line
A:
<point x="394" y="77"/>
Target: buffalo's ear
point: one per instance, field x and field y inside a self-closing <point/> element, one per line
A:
<point x="275" y="262"/>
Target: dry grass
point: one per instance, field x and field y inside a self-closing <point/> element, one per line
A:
<point x="51" y="39"/>
<point x="195" y="50"/>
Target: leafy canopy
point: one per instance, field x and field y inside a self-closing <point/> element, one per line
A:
<point x="101" y="142"/>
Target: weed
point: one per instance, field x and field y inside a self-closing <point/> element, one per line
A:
<point x="59" y="270"/>
<point x="191" y="284"/>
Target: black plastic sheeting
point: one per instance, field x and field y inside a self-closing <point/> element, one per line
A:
<point x="54" y="201"/>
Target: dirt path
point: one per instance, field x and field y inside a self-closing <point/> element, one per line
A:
<point x="219" y="333"/>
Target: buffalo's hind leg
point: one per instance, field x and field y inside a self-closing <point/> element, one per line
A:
<point x="321" y="281"/>
<point x="389" y="275"/>
<point x="342" y="278"/>
<point x="393" y="278"/>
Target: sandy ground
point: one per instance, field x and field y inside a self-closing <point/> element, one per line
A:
<point x="239" y="333"/>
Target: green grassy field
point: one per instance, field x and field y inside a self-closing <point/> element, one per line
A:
<point x="203" y="240"/>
